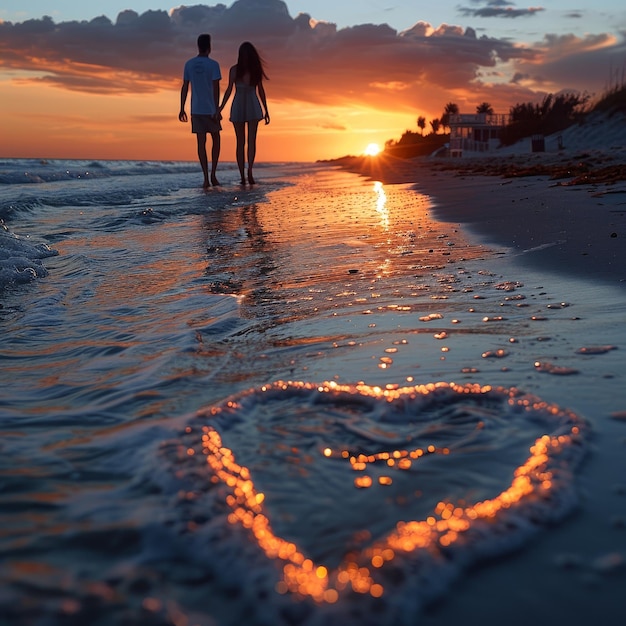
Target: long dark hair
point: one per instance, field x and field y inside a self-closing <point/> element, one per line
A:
<point x="249" y="62"/>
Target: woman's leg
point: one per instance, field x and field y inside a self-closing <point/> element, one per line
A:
<point x="240" y="134"/>
<point x="252" y="128"/>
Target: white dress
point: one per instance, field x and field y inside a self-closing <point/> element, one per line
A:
<point x="246" y="106"/>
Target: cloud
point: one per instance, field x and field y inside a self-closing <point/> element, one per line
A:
<point x="498" y="8"/>
<point x="308" y="61"/>
<point x="331" y="126"/>
<point x="561" y="61"/>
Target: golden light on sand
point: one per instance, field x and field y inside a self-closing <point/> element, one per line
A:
<point x="372" y="149"/>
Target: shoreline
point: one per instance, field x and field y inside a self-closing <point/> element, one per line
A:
<point x="558" y="238"/>
<point x="314" y="278"/>
<point x="562" y="213"/>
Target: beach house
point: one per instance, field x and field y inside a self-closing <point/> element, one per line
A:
<point x="475" y="132"/>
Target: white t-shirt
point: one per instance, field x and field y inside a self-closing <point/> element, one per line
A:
<point x="201" y="71"/>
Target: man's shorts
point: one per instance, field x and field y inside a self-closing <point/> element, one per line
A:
<point x="205" y="124"/>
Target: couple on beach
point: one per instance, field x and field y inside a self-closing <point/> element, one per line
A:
<point x="206" y="111"/>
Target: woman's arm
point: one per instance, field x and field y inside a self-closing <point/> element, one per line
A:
<point x="229" y="89"/>
<point x="261" y="91"/>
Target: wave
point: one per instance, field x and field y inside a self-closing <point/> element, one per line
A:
<point x="37" y="171"/>
<point x="21" y="261"/>
<point x="101" y="194"/>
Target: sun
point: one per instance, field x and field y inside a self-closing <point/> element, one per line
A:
<point x="372" y="149"/>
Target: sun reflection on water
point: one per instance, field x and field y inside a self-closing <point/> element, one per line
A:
<point x="449" y="523"/>
<point x="381" y="204"/>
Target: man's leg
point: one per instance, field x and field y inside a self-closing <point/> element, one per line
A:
<point x="215" y="156"/>
<point x="204" y="163"/>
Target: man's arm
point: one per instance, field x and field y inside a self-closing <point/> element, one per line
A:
<point x="184" y="90"/>
<point x="216" y="98"/>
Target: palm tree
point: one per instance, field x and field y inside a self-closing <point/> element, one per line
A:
<point x="434" y="124"/>
<point x="484" y="107"/>
<point x="421" y="123"/>
<point x="450" y="109"/>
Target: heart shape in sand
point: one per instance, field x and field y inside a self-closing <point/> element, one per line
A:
<point x="346" y="485"/>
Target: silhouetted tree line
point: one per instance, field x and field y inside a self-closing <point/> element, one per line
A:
<point x="413" y="144"/>
<point x="553" y="114"/>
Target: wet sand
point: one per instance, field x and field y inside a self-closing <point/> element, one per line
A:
<point x="325" y="276"/>
<point x="560" y="235"/>
<point x="565" y="213"/>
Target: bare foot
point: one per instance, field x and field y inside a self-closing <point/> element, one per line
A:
<point x="206" y="185"/>
<point x="250" y="178"/>
<point x="214" y="181"/>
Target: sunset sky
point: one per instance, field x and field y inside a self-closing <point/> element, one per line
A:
<point x="102" y="79"/>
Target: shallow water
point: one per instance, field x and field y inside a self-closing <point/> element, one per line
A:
<point x="149" y="453"/>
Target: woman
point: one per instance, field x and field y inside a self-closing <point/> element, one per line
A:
<point x="247" y="78"/>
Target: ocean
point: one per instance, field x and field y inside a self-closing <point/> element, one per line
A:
<point x="308" y="401"/>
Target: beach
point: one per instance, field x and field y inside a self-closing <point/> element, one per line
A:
<point x="561" y="220"/>
<point x="371" y="392"/>
<point x="564" y="211"/>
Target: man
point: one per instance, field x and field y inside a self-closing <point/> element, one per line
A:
<point x="204" y="75"/>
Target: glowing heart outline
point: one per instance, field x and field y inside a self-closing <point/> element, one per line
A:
<point x="541" y="476"/>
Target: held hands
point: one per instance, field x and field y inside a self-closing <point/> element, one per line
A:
<point x="182" y="116"/>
